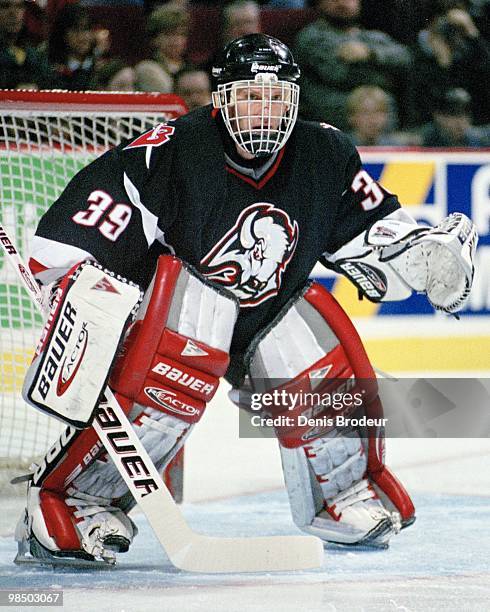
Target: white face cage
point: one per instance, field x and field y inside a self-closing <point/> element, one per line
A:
<point x="259" y="114"/>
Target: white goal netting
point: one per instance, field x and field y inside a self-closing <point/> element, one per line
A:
<point x="45" y="138"/>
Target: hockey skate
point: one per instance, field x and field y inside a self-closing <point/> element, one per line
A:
<point x="77" y="531"/>
<point x="356" y="518"/>
<point x="334" y="497"/>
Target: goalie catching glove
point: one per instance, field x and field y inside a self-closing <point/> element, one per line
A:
<point x="396" y="257"/>
<point x="169" y="369"/>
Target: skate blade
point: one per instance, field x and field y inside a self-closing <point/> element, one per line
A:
<point x="372" y="541"/>
<point x="408" y="522"/>
<point x="358" y="546"/>
<point x="60" y="563"/>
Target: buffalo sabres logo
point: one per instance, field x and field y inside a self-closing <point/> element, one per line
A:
<point x="252" y="257"/>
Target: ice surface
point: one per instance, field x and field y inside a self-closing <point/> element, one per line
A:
<point x="441" y="562"/>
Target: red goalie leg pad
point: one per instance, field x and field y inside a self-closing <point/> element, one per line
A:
<point x="157" y="357"/>
<point x="377" y="470"/>
<point x="295" y="424"/>
<point x="59" y="520"/>
<point x="342" y="326"/>
<point x="345" y="331"/>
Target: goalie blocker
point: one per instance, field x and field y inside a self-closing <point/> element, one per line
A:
<point x="168" y="371"/>
<point x="91" y="310"/>
<point x="338" y="486"/>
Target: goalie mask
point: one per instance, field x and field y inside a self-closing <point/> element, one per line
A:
<point x="257" y="93"/>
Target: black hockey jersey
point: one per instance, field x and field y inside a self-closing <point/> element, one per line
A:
<point x="256" y="231"/>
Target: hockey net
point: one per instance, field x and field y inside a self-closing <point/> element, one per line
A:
<point x="45" y="138"/>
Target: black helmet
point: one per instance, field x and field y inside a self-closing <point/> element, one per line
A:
<point x="244" y="57"/>
<point x="257" y="93"/>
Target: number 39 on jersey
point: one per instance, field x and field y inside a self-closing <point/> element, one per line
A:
<point x="109" y="217"/>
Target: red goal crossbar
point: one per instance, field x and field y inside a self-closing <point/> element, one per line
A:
<point x="60" y="100"/>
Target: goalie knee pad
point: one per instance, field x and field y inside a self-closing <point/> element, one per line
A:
<point x="337" y="483"/>
<point x="178" y="347"/>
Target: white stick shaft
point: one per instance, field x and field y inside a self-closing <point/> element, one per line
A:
<point x="23" y="272"/>
<point x="185" y="548"/>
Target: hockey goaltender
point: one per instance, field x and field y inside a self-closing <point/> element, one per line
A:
<point x="220" y="216"/>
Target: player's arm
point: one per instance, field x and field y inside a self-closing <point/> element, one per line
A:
<point x="387" y="255"/>
<point x="113" y="211"/>
<point x="396" y="257"/>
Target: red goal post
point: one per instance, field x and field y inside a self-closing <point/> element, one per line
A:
<point x="45" y="138"/>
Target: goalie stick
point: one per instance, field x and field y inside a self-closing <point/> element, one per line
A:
<point x="186" y="549"/>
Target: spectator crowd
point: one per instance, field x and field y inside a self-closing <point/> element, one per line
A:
<point x="425" y="84"/>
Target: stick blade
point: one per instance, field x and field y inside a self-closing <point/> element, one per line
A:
<point x="238" y="555"/>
